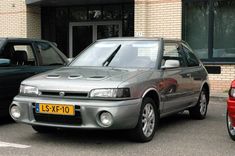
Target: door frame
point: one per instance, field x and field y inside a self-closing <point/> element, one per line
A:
<point x="94" y="30"/>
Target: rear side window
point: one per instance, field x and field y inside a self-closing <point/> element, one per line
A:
<point x="48" y="55"/>
<point x="28" y="49"/>
<point x="190" y="57"/>
<point x="19" y="54"/>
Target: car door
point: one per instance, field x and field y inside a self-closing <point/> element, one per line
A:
<point x="195" y="70"/>
<point x="22" y="65"/>
<point x="176" y="81"/>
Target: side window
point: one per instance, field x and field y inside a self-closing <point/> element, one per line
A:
<point x="19" y="54"/>
<point x="48" y="54"/>
<point x="191" y="58"/>
<point x="172" y="52"/>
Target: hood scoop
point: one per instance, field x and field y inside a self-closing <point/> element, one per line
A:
<point x="97" y="77"/>
<point x="73" y="77"/>
<point x="53" y="76"/>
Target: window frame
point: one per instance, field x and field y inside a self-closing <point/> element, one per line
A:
<point x="180" y="51"/>
<point x="211" y="26"/>
<point x="189" y="52"/>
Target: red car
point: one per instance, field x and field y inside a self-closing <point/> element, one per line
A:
<point x="231" y="111"/>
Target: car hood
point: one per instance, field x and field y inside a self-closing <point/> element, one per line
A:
<point x="82" y="79"/>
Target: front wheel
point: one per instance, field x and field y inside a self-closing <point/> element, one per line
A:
<point x="147" y="122"/>
<point x="200" y="110"/>
<point x="231" y="129"/>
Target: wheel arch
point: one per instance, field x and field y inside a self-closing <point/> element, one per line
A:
<point x="153" y="93"/>
<point x="206" y="87"/>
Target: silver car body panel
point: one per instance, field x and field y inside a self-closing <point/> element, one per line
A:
<point x="125" y="113"/>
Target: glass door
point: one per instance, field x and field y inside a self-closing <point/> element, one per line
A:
<point x="82" y="34"/>
<point x="82" y="37"/>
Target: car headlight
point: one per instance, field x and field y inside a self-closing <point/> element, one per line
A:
<point x="110" y="93"/>
<point x="28" y="90"/>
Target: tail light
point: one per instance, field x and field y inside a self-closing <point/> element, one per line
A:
<point x="232" y="92"/>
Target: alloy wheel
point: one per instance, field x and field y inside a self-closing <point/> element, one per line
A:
<point x="203" y="104"/>
<point x="148" y="120"/>
<point x="230" y="126"/>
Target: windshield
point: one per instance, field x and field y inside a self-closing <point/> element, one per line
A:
<point x="128" y="54"/>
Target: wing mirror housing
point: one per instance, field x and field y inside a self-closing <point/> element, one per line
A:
<point x="4" y="62"/>
<point x="171" y="64"/>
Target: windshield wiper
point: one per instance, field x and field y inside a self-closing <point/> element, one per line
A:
<point x="110" y="58"/>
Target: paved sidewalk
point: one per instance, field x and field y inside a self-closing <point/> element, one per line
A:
<point x="177" y="135"/>
<point x="219" y="95"/>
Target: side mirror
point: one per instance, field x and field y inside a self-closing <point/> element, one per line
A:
<point x="4" y="62"/>
<point x="171" y="64"/>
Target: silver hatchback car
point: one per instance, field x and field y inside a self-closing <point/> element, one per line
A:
<point x="118" y="83"/>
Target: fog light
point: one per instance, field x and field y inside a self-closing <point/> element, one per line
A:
<point x="15" y="112"/>
<point x="106" y="119"/>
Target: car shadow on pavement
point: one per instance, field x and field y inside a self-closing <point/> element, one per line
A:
<point x="96" y="137"/>
<point x="174" y="120"/>
<point x="6" y="120"/>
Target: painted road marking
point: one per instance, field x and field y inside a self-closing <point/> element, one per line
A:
<point x="6" y="144"/>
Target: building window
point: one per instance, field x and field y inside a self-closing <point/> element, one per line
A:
<point x="196" y="27"/>
<point x="224" y="29"/>
<point x="78" y="14"/>
<point x="111" y="12"/>
<point x="209" y="28"/>
<point x="95" y="13"/>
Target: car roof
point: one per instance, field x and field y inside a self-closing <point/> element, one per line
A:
<point x="21" y="39"/>
<point x="129" y="38"/>
<point x="141" y="39"/>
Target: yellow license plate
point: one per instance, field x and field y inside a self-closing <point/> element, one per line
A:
<point x="56" y="109"/>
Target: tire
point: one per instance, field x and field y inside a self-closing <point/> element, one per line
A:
<point x="44" y="129"/>
<point x="149" y="124"/>
<point x="231" y="129"/>
<point x="200" y="110"/>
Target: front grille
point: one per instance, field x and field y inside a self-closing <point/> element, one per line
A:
<point x="65" y="94"/>
<point x="59" y="119"/>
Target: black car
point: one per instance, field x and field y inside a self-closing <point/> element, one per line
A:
<point x="21" y="58"/>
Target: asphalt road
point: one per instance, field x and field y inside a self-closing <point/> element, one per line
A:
<point x="177" y="135"/>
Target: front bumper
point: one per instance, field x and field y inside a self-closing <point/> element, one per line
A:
<point x="231" y="110"/>
<point x="125" y="113"/>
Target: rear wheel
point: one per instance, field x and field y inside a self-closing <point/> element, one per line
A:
<point x="147" y="122"/>
<point x="231" y="129"/>
<point x="44" y="129"/>
<point x="200" y="110"/>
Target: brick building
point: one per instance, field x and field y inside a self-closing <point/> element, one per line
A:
<point x="207" y="25"/>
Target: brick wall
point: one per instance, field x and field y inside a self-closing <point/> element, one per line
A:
<point x="33" y="22"/>
<point x="158" y="18"/>
<point x="220" y="83"/>
<point x="18" y="20"/>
